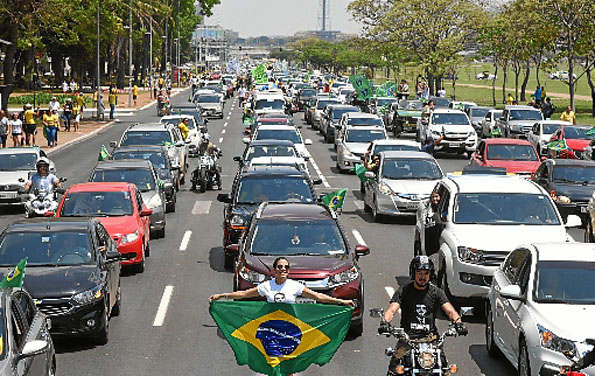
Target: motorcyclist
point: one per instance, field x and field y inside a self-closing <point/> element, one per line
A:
<point x="207" y="147"/>
<point x="43" y="184"/>
<point x="419" y="301"/>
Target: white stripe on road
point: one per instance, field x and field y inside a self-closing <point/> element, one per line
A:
<point x="223" y="131"/>
<point x="228" y="118"/>
<point x="225" y="125"/>
<point x="220" y="139"/>
<point x="185" y="240"/>
<point x="390" y="291"/>
<point x="358" y="237"/>
<point x="201" y="207"/>
<point x="162" y="310"/>
<point x="324" y="182"/>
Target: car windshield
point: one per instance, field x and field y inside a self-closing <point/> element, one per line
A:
<point x="46" y="248"/>
<point x="276" y="104"/>
<point x="550" y="128"/>
<point x="270" y="151"/>
<point x="479" y="112"/>
<point x="274" y="189"/>
<point x="364" y="121"/>
<point x="96" y="204"/>
<point x="323" y="103"/>
<point x="416" y="169"/>
<point x="574" y="174"/>
<point x="440" y="102"/>
<point x="410" y="105"/>
<point x="346" y="92"/>
<point x="512" y="152"/>
<point x="208" y="99"/>
<point x="156" y="158"/>
<point x="525" y="115"/>
<point x="380" y="148"/>
<point x="380" y="102"/>
<point x="308" y="92"/>
<point x="288" y="238"/>
<point x="569" y="282"/>
<point x="364" y="135"/>
<point x="338" y="112"/>
<point x="504" y="209"/>
<point x="578" y="133"/>
<point x="17" y="161"/>
<point x="142" y="178"/>
<point x="270" y="134"/>
<point x="160" y="137"/>
<point x="452" y="118"/>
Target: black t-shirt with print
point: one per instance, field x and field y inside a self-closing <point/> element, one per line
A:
<point x="419" y="308"/>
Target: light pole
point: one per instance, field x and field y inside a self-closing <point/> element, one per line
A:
<point x="176" y="45"/>
<point x="98" y="62"/>
<point x="151" y="52"/>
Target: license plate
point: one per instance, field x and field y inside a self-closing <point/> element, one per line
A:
<point x="412" y="205"/>
<point x="454" y="144"/>
<point x="583" y="209"/>
<point x="8" y="194"/>
<point x="300" y="300"/>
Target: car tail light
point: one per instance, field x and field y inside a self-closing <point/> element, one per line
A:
<point x="48" y="214"/>
<point x="574" y="373"/>
<point x="553" y="194"/>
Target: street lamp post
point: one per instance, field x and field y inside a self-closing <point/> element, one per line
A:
<point x="130" y="55"/>
<point x="98" y="63"/>
<point x="151" y="52"/>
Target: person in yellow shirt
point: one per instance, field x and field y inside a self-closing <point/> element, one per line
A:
<point x="134" y="93"/>
<point x="76" y="115"/>
<point x="112" y="99"/>
<point x="51" y="122"/>
<point x="509" y="99"/>
<point x="183" y="125"/>
<point x="29" y="125"/>
<point x="80" y="100"/>
<point x="568" y="115"/>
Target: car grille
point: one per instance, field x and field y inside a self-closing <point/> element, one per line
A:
<point x="10" y="187"/>
<point x="54" y="306"/>
<point x="456" y="136"/>
<point x="494" y="258"/>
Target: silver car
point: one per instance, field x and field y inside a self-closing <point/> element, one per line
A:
<point x="403" y="180"/>
<point x="16" y="166"/>
<point x="354" y="144"/>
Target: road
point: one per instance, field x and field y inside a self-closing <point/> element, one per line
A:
<point x="165" y="327"/>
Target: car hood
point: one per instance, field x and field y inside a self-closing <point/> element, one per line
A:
<point x="453" y="128"/>
<point x="548" y="315"/>
<point x="119" y="225"/>
<point x="12" y="177"/>
<point x="58" y="281"/>
<point x="577" y="144"/>
<point x="310" y="267"/>
<point x="357" y="147"/>
<point x="522" y="122"/>
<point x="301" y="148"/>
<point x="505" y="238"/>
<point x="575" y="192"/>
<point x="514" y="166"/>
<point x="421" y="188"/>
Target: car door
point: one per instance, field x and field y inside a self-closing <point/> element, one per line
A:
<point x="111" y="269"/>
<point x="371" y="185"/>
<point x="144" y="221"/>
<point x="477" y="158"/>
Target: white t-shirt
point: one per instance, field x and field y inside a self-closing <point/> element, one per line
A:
<point x="283" y="293"/>
<point x="16" y="126"/>
<point x="54" y="105"/>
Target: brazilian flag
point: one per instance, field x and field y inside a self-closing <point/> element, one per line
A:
<point x="360" y="171"/>
<point x="496" y="132"/>
<point x="590" y="132"/>
<point x="259" y="74"/>
<point x="103" y="154"/>
<point x="15" y="277"/>
<point x="387" y="89"/>
<point x="557" y="145"/>
<point x="362" y="86"/>
<point x="334" y="200"/>
<point x="279" y="339"/>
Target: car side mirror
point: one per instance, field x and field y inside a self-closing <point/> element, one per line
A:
<point x="317" y="181"/>
<point x="573" y="221"/>
<point x="113" y="256"/>
<point x="370" y="174"/>
<point x="237" y="158"/>
<point x="246" y="140"/>
<point x="362" y="250"/>
<point x="180" y="143"/>
<point x="512" y="292"/>
<point x="146" y="212"/>
<point x="307" y="141"/>
<point x="224" y="198"/>
<point x="32" y="348"/>
<point x="113" y="144"/>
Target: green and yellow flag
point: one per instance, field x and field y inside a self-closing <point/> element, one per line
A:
<point x="362" y="86"/>
<point x="15" y="277"/>
<point x="103" y="154"/>
<point x="279" y="339"/>
<point x="334" y="200"/>
<point x="557" y="145"/>
<point x="360" y="171"/>
<point x="387" y="89"/>
<point x="259" y="74"/>
<point x="496" y="132"/>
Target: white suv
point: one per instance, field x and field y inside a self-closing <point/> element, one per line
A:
<point x="459" y="134"/>
<point x="541" y="307"/>
<point x="479" y="220"/>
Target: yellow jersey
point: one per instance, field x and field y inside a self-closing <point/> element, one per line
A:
<point x="29" y="117"/>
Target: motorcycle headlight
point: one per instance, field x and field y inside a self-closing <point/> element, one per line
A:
<point x="550" y="341"/>
<point x="343" y="277"/>
<point x="154" y="202"/>
<point x="89" y="296"/>
<point x="385" y="189"/>
<point x="129" y="238"/>
<point x="426" y="360"/>
<point x="236" y="221"/>
<point x="470" y="255"/>
<point x="252" y="276"/>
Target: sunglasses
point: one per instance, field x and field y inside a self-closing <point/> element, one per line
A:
<point x="282" y="267"/>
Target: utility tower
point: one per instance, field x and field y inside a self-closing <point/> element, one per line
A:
<point x="324" y="17"/>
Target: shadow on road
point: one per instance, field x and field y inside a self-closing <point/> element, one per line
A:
<point x="487" y="365"/>
<point x="216" y="260"/>
<point x="67" y="345"/>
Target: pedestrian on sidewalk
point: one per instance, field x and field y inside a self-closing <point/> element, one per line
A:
<point x="112" y="100"/>
<point x="51" y="122"/>
<point x="30" y="126"/>
<point x="67" y="114"/>
<point x="568" y="115"/>
<point x="76" y="116"/>
<point x="16" y="129"/>
<point x="134" y="93"/>
<point x="80" y="100"/>
<point x="3" y="128"/>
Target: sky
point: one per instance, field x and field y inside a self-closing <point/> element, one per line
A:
<point x="253" y="18"/>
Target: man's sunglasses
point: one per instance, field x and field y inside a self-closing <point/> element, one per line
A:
<point x="282" y="267"/>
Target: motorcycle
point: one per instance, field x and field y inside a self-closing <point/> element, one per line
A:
<point x="574" y="369"/>
<point x="207" y="174"/>
<point x="415" y="356"/>
<point x="40" y="205"/>
<point x="162" y="107"/>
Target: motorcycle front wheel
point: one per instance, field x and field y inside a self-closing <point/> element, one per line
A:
<point x="203" y="180"/>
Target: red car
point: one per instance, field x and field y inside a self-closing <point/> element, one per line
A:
<point x="517" y="156"/>
<point x="120" y="209"/>
<point x="576" y="138"/>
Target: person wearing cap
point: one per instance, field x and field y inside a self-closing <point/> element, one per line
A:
<point x="30" y="126"/>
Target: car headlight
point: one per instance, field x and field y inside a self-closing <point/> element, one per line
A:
<point x="343" y="277"/>
<point x="385" y="189"/>
<point x="154" y="202"/>
<point x="252" y="276"/>
<point x="412" y="196"/>
<point x="347" y="153"/>
<point x="470" y="255"/>
<point x="89" y="296"/>
<point x="129" y="238"/>
<point x="426" y="360"/>
<point x="218" y="108"/>
<point x="549" y="340"/>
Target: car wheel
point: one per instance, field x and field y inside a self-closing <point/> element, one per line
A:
<point x="228" y="262"/>
<point x="362" y="187"/>
<point x="118" y="306"/>
<point x="148" y="250"/>
<point x="493" y="350"/>
<point x="338" y="168"/>
<point x="103" y="336"/>
<point x="588" y="236"/>
<point x="172" y="206"/>
<point x="140" y="267"/>
<point x="524" y="364"/>
<point x="356" y="329"/>
<point x="377" y="217"/>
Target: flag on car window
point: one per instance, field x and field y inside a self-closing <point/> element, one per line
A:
<point x="279" y="339"/>
<point x="496" y="132"/>
<point x="334" y="200"/>
<point x="362" y="86"/>
<point x="590" y="132"/>
<point x="557" y="145"/>
<point x="360" y="171"/>
<point x="15" y="277"/>
<point x="103" y="154"/>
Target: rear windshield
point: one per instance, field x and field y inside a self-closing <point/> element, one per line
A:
<point x="156" y="158"/>
<point x="142" y="178"/>
<point x="160" y="137"/>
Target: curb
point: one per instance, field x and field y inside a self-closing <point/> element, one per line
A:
<point x="82" y="138"/>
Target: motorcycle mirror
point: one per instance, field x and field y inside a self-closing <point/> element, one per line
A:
<point x="377" y="312"/>
<point x="62" y="180"/>
<point x="21" y="180"/>
<point x="467" y="311"/>
<point x="113" y="144"/>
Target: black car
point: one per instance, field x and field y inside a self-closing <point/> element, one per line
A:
<point x="571" y="182"/>
<point x="251" y="187"/>
<point x="331" y="117"/>
<point x="26" y="347"/>
<point x="267" y="148"/>
<point x="303" y="97"/>
<point x="157" y="155"/>
<point x="73" y="272"/>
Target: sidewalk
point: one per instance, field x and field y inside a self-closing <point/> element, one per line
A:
<point x="511" y="90"/>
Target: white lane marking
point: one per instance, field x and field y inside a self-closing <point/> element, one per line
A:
<point x="162" y="310"/>
<point x="201" y="207"/>
<point x="220" y="139"/>
<point x="185" y="240"/>
<point x="358" y="237"/>
<point x="228" y="118"/>
<point x="223" y="131"/>
<point x="390" y="291"/>
<point x="225" y="125"/>
<point x="324" y="182"/>
<point x="359" y="205"/>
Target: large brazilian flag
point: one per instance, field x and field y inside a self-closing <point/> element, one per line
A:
<point x="259" y="74"/>
<point x="362" y="86"/>
<point x="279" y="339"/>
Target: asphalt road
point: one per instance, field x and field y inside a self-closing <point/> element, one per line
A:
<point x="165" y="327"/>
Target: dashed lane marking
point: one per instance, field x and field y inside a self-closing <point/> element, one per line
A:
<point x="185" y="240"/>
<point x="163" y="305"/>
<point x="358" y="237"/>
<point x="201" y="207"/>
<point x="223" y="131"/>
<point x="320" y="175"/>
<point x="390" y="291"/>
<point x="220" y="139"/>
<point x="225" y="125"/>
<point x="229" y="117"/>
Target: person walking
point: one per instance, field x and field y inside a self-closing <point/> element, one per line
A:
<point x="80" y="100"/>
<point x="134" y="93"/>
<point x="67" y="114"/>
<point x="3" y="128"/>
<point x="568" y="115"/>
<point x="51" y="122"/>
<point x="30" y="126"/>
<point x="537" y="95"/>
<point x="548" y="108"/>
<point x="112" y="100"/>
<point x="76" y="116"/>
<point x="16" y="129"/>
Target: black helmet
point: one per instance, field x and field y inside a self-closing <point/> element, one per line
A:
<point x="421" y="263"/>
